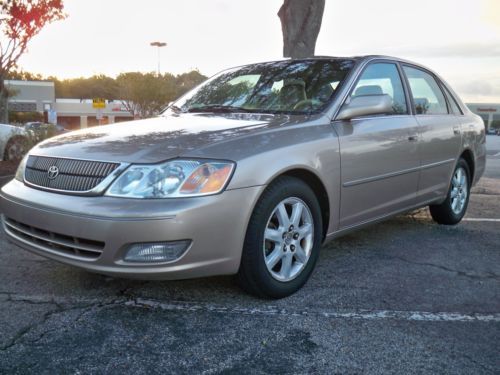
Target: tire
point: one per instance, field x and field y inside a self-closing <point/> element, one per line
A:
<point x="15" y="149"/>
<point x="453" y="209"/>
<point x="295" y="249"/>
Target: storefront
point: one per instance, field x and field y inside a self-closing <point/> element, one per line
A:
<point x="489" y="112"/>
<point x="38" y="97"/>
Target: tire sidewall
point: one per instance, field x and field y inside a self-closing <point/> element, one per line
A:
<point x="17" y="141"/>
<point x="255" y="237"/>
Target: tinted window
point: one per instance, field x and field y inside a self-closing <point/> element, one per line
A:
<point x="428" y="99"/>
<point x="383" y="78"/>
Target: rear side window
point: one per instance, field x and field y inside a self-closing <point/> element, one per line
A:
<point x="455" y="109"/>
<point x="428" y="99"/>
<point x="383" y="78"/>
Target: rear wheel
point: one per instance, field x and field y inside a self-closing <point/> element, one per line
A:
<point x="282" y="240"/>
<point x="453" y="209"/>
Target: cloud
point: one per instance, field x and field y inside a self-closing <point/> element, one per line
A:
<point x="460" y="50"/>
<point x="480" y="90"/>
<point x="480" y="87"/>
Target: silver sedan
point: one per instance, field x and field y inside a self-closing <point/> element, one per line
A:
<point x="250" y="173"/>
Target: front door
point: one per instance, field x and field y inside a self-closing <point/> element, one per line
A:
<point x="379" y="154"/>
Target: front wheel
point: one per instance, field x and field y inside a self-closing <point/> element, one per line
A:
<point x="15" y="149"/>
<point x="282" y="240"/>
<point x="453" y="209"/>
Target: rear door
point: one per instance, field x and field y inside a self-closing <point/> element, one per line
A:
<point x="440" y="137"/>
<point x="379" y="154"/>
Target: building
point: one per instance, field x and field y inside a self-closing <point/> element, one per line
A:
<point x="39" y="96"/>
<point x="78" y="114"/>
<point x="31" y="96"/>
<point x="489" y="112"/>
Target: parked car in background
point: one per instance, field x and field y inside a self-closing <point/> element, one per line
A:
<point x="250" y="173"/>
<point x="38" y="127"/>
<point x="13" y="142"/>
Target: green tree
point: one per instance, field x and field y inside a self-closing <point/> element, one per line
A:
<point x="21" y="75"/>
<point x="20" y="21"/>
<point x="145" y="94"/>
<point x="186" y="81"/>
<point x="97" y="86"/>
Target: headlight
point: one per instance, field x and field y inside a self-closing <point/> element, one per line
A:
<point x="20" y="169"/>
<point x="173" y="179"/>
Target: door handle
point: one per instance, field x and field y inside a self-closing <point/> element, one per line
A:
<point x="413" y="138"/>
<point x="456" y="130"/>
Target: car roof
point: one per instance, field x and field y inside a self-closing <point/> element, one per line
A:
<point x="357" y="59"/>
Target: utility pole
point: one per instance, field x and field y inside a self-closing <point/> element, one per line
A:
<point x="158" y="45"/>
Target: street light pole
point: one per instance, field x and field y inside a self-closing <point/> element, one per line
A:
<point x="158" y="45"/>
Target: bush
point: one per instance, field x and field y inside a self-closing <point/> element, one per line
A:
<point x="23" y="117"/>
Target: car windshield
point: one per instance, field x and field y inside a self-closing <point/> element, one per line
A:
<point x="293" y="86"/>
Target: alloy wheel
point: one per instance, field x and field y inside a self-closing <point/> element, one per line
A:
<point x="459" y="191"/>
<point x="288" y="239"/>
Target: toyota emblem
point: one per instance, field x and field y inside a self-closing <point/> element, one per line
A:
<point x="53" y="172"/>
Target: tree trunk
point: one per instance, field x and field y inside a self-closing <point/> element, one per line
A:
<point x="4" y="102"/>
<point x="300" y="23"/>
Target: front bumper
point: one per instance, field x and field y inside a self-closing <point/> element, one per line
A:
<point x="216" y="225"/>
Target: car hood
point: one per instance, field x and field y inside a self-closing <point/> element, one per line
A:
<point x="6" y="129"/>
<point x="157" y="139"/>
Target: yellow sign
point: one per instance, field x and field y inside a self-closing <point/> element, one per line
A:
<point x="98" y="103"/>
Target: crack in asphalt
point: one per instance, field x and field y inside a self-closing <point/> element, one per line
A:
<point x="36" y="300"/>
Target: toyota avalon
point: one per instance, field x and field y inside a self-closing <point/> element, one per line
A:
<point x="250" y="173"/>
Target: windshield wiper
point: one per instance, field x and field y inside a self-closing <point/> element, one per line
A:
<point x="219" y="109"/>
<point x="175" y="108"/>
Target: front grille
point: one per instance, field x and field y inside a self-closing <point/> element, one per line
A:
<point x="54" y="242"/>
<point x="73" y="175"/>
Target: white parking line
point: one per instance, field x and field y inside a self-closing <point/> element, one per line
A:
<point x="361" y="314"/>
<point x="480" y="219"/>
<point x="262" y="310"/>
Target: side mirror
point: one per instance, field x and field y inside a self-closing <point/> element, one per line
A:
<point x="365" y="105"/>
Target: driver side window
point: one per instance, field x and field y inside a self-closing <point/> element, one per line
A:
<point x="383" y="78"/>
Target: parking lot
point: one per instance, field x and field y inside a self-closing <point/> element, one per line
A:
<point x="403" y="296"/>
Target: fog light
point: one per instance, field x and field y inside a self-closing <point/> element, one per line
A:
<point x="156" y="252"/>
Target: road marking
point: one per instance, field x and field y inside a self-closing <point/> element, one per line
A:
<point x="481" y="219"/>
<point x="262" y="310"/>
<point x="497" y="154"/>
<point x="360" y="314"/>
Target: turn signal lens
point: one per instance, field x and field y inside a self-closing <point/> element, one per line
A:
<point x="208" y="178"/>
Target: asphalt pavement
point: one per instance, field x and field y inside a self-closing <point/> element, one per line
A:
<point x="404" y="296"/>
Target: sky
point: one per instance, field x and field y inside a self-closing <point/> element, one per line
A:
<point x="459" y="39"/>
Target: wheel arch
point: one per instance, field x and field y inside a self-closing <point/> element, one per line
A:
<point x="468" y="156"/>
<point x="314" y="182"/>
